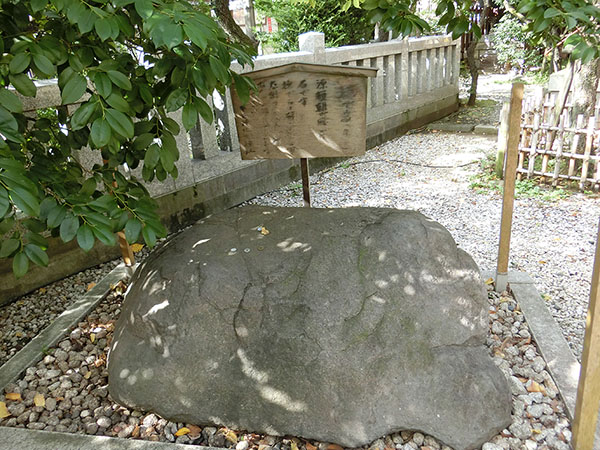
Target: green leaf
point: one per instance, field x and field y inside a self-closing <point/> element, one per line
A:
<point x="44" y="64"/>
<point x="85" y="237"/>
<point x="20" y="62"/>
<point x="117" y="101"/>
<point x="132" y="230"/>
<point x="82" y="116"/>
<point x="176" y="99"/>
<point x="69" y="227"/>
<point x="20" y="265"/>
<point x="100" y="132"/>
<point x="219" y="69"/>
<point x="103" y="84"/>
<point x="164" y="31"/>
<point x="7" y="122"/>
<point x="204" y="110"/>
<point x="56" y="216"/>
<point x="10" y="101"/>
<point x="143" y="141"/>
<point x="588" y="54"/>
<point x="74" y="89"/>
<point x="119" y="79"/>
<point x="36" y="255"/>
<point x="103" y="28"/>
<point x="152" y="156"/>
<point x="189" y="116"/>
<point x="241" y="88"/>
<point x="144" y="8"/>
<point x="4" y="202"/>
<point x="9" y="246"/>
<point x="23" y="84"/>
<point x="196" y="35"/>
<point x="38" y="5"/>
<point x="149" y="236"/>
<point x="104" y="235"/>
<point x="551" y="12"/>
<point x="88" y="187"/>
<point x="87" y="21"/>
<point x="120" y="123"/>
<point x="25" y="201"/>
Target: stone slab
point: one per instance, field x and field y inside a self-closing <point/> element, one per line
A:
<point x="485" y="129"/>
<point x="452" y="127"/>
<point x="52" y="440"/>
<point x="49" y="337"/>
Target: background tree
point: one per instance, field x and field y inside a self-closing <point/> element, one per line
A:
<point x="130" y="63"/>
<point x="340" y="26"/>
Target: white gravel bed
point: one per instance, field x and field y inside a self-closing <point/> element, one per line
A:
<point x="553" y="242"/>
<point x="67" y="391"/>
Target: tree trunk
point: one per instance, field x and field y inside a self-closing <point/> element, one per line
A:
<point x="585" y="84"/>
<point x="225" y="19"/>
<point x="473" y="63"/>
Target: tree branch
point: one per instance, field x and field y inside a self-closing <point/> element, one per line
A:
<point x="225" y="19"/>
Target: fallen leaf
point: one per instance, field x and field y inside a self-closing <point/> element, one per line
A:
<point x="18" y="334"/>
<point x="135" y="248"/>
<point x="87" y="375"/>
<point x="59" y="399"/>
<point x="136" y="432"/>
<point x="42" y="290"/>
<point x="231" y="436"/>
<point x="92" y="337"/>
<point x="334" y="447"/>
<point x="489" y="281"/>
<point x="182" y="431"/>
<point x="3" y="410"/>
<point x="90" y="286"/>
<point x="294" y="445"/>
<point x="536" y="431"/>
<point x="534" y="387"/>
<point x="194" y="430"/>
<point x="309" y="446"/>
<point x="13" y="396"/>
<point x="264" y="231"/>
<point x="39" y="400"/>
<point x="542" y="261"/>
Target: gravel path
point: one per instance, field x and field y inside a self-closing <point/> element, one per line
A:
<point x="67" y="391"/>
<point x="553" y="242"/>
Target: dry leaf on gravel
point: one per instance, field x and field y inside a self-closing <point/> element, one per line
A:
<point x="3" y="411"/>
<point x="92" y="337"/>
<point x="194" y="431"/>
<point x="90" y="286"/>
<point x="39" y="400"/>
<point x="13" y="396"/>
<point x="135" y="248"/>
<point x="294" y="445"/>
<point x="334" y="447"/>
<point x="309" y="446"/>
<point x="230" y="436"/>
<point x="182" y="431"/>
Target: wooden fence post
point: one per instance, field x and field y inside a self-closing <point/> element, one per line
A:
<point x="512" y="153"/>
<point x="588" y="390"/>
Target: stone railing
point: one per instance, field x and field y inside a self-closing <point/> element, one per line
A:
<point x="417" y="82"/>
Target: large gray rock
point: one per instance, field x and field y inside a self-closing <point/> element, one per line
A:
<point x="340" y="325"/>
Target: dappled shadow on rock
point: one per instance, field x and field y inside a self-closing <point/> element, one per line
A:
<point x="340" y="325"/>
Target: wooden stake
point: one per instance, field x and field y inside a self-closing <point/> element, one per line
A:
<point x="588" y="390"/>
<point x="512" y="154"/>
<point x="305" y="182"/>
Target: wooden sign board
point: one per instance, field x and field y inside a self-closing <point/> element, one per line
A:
<point x="304" y="111"/>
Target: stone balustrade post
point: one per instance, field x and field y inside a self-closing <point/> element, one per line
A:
<point x="313" y="42"/>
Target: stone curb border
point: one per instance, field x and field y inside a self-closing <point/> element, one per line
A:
<point x="463" y="128"/>
<point x="53" y="333"/>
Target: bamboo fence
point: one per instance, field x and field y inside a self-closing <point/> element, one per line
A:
<point x="554" y="150"/>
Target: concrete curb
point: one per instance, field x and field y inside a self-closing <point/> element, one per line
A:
<point x="19" y="438"/>
<point x="463" y="128"/>
<point x="53" y="333"/>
